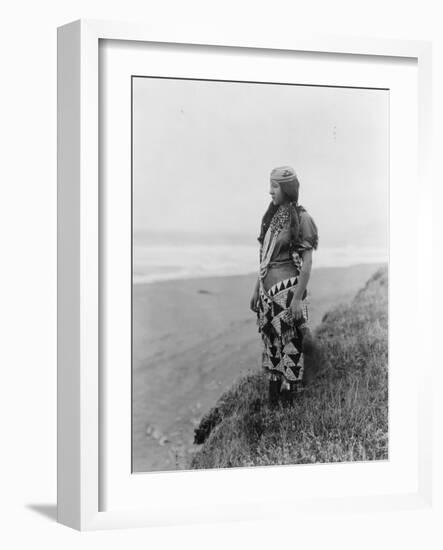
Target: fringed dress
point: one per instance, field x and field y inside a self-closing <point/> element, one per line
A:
<point x="280" y="268"/>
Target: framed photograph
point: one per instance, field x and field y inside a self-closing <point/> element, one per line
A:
<point x="242" y="230"/>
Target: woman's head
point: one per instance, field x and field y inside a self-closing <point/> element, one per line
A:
<point x="284" y="185"/>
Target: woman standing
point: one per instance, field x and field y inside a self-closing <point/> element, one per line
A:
<point x="287" y="238"/>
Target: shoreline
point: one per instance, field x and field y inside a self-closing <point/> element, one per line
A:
<point x="252" y="273"/>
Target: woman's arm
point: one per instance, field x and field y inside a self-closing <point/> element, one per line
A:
<point x="303" y="280"/>
<point x="257" y="284"/>
<point x="254" y="298"/>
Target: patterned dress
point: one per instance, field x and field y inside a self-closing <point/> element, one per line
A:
<point x="282" y="335"/>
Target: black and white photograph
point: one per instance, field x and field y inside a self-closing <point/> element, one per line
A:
<point x="259" y="274"/>
<point x="222" y="298"/>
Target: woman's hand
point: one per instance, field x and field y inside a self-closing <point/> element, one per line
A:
<point x="253" y="304"/>
<point x="297" y="309"/>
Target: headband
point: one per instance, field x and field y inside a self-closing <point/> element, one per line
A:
<point x="283" y="174"/>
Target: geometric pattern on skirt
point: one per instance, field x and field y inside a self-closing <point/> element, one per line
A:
<point x="281" y="334"/>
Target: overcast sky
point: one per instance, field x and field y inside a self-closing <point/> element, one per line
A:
<point x="203" y="152"/>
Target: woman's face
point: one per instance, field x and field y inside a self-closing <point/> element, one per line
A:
<point x="278" y="197"/>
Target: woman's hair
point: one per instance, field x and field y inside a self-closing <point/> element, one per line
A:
<point x="290" y="188"/>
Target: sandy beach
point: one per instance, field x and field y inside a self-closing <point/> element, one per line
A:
<point x="191" y="339"/>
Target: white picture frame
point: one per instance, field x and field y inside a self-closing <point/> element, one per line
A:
<point x="80" y="445"/>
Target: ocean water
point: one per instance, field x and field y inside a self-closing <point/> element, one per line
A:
<point x="159" y="262"/>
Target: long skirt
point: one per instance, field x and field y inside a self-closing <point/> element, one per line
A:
<point x="282" y="335"/>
